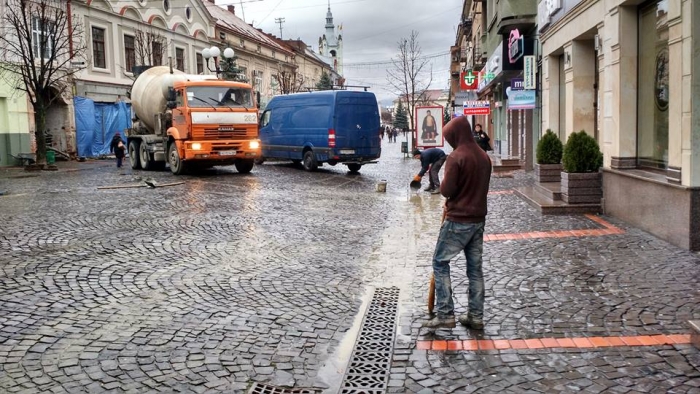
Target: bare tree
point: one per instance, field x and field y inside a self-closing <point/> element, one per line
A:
<point x="289" y="81"/>
<point x="42" y="48"/>
<point x="406" y="76"/>
<point x="150" y="45"/>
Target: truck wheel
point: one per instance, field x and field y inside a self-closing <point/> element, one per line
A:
<point x="309" y="162"/>
<point x="244" y="166"/>
<point x="354" y="167"/>
<point x="134" y="154"/>
<point x="146" y="162"/>
<point x="177" y="166"/>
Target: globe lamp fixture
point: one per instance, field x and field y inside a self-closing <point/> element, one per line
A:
<point x="215" y="52"/>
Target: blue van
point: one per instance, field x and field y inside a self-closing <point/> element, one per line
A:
<point x="330" y="126"/>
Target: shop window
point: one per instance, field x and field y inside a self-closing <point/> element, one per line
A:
<point x="653" y="97"/>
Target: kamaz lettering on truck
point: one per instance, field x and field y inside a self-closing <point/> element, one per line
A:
<point x="191" y="122"/>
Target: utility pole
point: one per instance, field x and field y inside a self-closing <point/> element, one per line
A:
<point x="280" y="21"/>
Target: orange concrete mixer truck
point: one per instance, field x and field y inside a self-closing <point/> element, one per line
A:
<point x="191" y="122"/>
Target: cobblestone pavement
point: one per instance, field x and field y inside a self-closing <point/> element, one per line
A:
<point x="233" y="279"/>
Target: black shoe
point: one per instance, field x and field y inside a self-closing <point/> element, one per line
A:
<point x="445" y="322"/>
<point x="428" y="189"/>
<point x="471" y="322"/>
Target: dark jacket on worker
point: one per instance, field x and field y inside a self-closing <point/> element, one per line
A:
<point x="114" y="146"/>
<point x="467" y="174"/>
<point x="428" y="157"/>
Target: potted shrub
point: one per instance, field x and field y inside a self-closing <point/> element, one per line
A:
<point x="549" y="152"/>
<point x="581" y="178"/>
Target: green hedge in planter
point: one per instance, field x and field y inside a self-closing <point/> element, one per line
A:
<point x="581" y="153"/>
<point x="549" y="149"/>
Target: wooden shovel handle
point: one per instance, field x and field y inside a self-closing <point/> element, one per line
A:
<point x="431" y="286"/>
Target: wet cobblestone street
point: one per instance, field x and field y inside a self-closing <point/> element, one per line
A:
<point x="229" y="279"/>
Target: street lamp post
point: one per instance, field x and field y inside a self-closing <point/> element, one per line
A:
<point x="215" y="52"/>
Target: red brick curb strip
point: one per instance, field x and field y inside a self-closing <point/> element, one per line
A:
<point x="608" y="230"/>
<point x="550" y="343"/>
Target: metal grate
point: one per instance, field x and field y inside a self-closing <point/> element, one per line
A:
<point x="369" y="367"/>
<point x="267" y="389"/>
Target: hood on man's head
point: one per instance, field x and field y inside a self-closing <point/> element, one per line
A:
<point x="458" y="131"/>
<point x="416" y="152"/>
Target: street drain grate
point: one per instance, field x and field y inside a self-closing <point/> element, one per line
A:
<point x="267" y="389"/>
<point x="369" y="366"/>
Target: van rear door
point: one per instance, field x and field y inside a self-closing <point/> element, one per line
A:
<point x="357" y="125"/>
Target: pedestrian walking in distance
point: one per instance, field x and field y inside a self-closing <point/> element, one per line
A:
<point x="465" y="186"/>
<point x="482" y="138"/>
<point x="117" y="146"/>
<point x="431" y="161"/>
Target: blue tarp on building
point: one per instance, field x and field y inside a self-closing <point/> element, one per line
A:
<point x="96" y="124"/>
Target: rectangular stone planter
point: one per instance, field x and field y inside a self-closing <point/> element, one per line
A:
<point x="581" y="188"/>
<point x="548" y="172"/>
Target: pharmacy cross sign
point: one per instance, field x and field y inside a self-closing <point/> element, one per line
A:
<point x="469" y="80"/>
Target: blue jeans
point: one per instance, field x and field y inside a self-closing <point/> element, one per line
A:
<point x="454" y="238"/>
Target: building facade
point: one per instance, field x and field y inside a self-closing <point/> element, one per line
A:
<point x="122" y="36"/>
<point x="310" y="66"/>
<point x="624" y="72"/>
<point x="492" y="40"/>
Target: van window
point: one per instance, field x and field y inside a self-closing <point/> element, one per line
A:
<point x="279" y="116"/>
<point x="265" y="119"/>
<point x="313" y="117"/>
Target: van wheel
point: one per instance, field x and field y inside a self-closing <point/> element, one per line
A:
<point x="310" y="163"/>
<point x="177" y="166"/>
<point x="354" y="167"/>
<point x="134" y="154"/>
<point x="244" y="166"/>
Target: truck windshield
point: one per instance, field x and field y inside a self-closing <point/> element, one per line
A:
<point x="216" y="96"/>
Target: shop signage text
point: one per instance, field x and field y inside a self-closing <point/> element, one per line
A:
<point x="520" y="99"/>
<point x="477" y="107"/>
<point x="529" y="73"/>
<point x="516" y="84"/>
<point x="516" y="46"/>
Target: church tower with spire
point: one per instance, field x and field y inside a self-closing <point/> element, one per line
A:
<point x="330" y="45"/>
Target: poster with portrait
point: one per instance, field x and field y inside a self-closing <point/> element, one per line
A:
<point x="429" y="126"/>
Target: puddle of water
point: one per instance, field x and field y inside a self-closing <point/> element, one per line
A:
<point x="333" y="371"/>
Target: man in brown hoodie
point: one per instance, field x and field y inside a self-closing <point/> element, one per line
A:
<point x="465" y="186"/>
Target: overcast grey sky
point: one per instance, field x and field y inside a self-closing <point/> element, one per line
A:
<point x="371" y="31"/>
